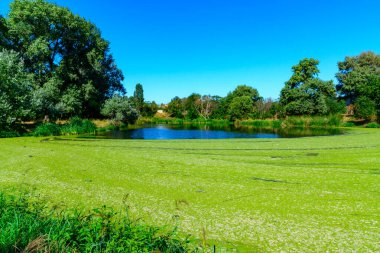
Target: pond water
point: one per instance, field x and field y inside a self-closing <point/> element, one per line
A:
<point x="168" y="132"/>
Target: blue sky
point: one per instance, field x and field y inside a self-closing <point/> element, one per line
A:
<point x="176" y="47"/>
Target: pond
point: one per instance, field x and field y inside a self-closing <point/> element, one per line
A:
<point x="169" y="132"/>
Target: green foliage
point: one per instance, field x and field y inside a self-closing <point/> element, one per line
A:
<point x="138" y="97"/>
<point x="28" y="226"/>
<point x="214" y="107"/>
<point x="258" y="123"/>
<point x="244" y="90"/>
<point x="15" y="87"/>
<point x="348" y="124"/>
<point x="305" y="94"/>
<point x="365" y="108"/>
<point x="47" y="129"/>
<point x="119" y="110"/>
<point x="305" y="70"/>
<point x="241" y="102"/>
<point x="372" y="125"/>
<point x="4" y="42"/>
<point x="73" y="71"/>
<point x="358" y="77"/>
<point x="240" y="108"/>
<point x="190" y="107"/>
<point x="77" y="125"/>
<point x="265" y="108"/>
<point x="8" y="134"/>
<point x="314" y="121"/>
<point x="149" y="109"/>
<point x="355" y="72"/>
<point x="335" y="106"/>
<point x="176" y="108"/>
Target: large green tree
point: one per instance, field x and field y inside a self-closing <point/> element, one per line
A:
<point x="15" y="87"/>
<point x="305" y="93"/>
<point x="240" y="108"/>
<point x="359" y="83"/>
<point x="242" y="95"/>
<point x="66" y="53"/>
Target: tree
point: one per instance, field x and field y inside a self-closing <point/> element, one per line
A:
<point x="176" y="107"/>
<point x="190" y="106"/>
<point x="265" y="108"/>
<point x="359" y="77"/>
<point x="245" y="90"/>
<point x="240" y="108"/>
<point x="206" y="105"/>
<point x="236" y="97"/>
<point x="149" y="109"/>
<point x="118" y="109"/>
<point x="138" y="97"/>
<point x="4" y="43"/>
<point x="62" y="48"/>
<point x="15" y="86"/>
<point x="365" y="108"/>
<point x="304" y="93"/>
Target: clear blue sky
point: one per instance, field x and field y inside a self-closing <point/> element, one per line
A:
<point x="176" y="47"/>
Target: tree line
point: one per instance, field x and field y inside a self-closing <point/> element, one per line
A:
<point x="303" y="94"/>
<point x="54" y="64"/>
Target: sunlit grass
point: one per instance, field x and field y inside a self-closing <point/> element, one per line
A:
<point x="305" y="194"/>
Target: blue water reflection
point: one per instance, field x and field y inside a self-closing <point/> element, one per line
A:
<point x="166" y="132"/>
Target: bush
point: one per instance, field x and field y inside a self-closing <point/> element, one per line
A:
<point x="276" y="123"/>
<point x="47" y="129"/>
<point x="8" y="134"/>
<point x="372" y="125"/>
<point x="334" y="120"/>
<point x="77" y="125"/>
<point x="27" y="226"/>
<point x="348" y="124"/>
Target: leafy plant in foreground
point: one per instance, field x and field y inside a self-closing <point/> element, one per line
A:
<point x="27" y="226"/>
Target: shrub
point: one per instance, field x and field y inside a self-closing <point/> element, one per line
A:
<point x="372" y="125"/>
<point x="47" y="129"/>
<point x="334" y="120"/>
<point x="77" y="125"/>
<point x="348" y="124"/>
<point x="276" y="123"/>
<point x="8" y="134"/>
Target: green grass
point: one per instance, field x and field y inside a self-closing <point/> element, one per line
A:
<point x="268" y="195"/>
<point x="26" y="225"/>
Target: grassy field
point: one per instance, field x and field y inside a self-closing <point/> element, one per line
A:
<point x="306" y="194"/>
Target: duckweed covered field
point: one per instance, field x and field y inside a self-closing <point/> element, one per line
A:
<point x="306" y="194"/>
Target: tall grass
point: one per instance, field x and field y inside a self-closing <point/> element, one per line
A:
<point x="47" y="129"/>
<point x="296" y="121"/>
<point x="75" y="125"/>
<point x="177" y="121"/>
<point x="27" y="226"/>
